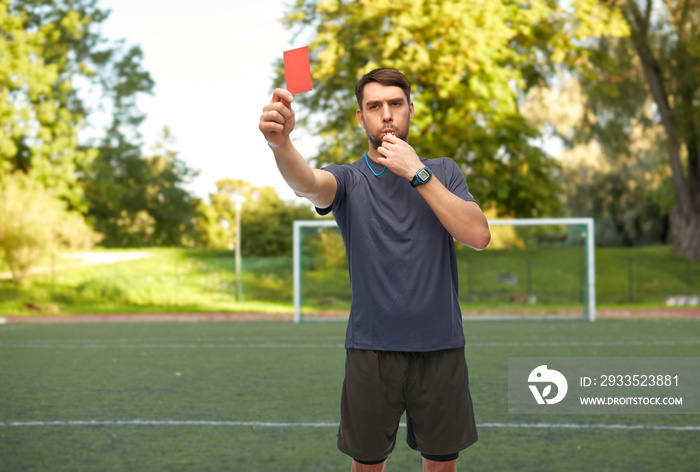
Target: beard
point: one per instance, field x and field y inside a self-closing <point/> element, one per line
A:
<point x="376" y="140"/>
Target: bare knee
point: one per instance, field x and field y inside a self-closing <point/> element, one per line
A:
<point x="357" y="467"/>
<point x="439" y="466"/>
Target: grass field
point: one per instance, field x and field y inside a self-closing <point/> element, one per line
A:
<point x="264" y="397"/>
<point x="179" y="280"/>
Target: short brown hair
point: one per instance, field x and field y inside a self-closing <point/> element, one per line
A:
<point x="388" y="77"/>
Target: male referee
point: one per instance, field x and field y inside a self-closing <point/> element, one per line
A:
<point x="398" y="214"/>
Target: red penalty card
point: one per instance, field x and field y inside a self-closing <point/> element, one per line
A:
<point x="297" y="70"/>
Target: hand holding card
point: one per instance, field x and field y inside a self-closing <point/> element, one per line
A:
<point x="297" y="70"/>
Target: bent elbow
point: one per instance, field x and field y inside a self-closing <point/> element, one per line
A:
<point x="478" y="241"/>
<point x="483" y="242"/>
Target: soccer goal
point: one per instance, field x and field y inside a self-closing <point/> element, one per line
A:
<point x="533" y="269"/>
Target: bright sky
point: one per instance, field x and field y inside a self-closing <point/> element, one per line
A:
<point x="212" y="63"/>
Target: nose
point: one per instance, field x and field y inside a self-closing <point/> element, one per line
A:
<point x="386" y="113"/>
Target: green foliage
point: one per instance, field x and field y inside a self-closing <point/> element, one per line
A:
<point x="42" y="51"/>
<point x="137" y="201"/>
<point x="633" y="158"/>
<point x="651" y="93"/>
<point x="53" y="59"/>
<point x="266" y="224"/>
<point x="266" y="220"/>
<point x="331" y="248"/>
<point x="613" y="159"/>
<point x="469" y="63"/>
<point x="34" y="224"/>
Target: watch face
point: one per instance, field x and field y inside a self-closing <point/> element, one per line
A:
<point x="423" y="175"/>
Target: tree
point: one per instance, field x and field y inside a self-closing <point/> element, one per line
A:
<point x="469" y="63"/>
<point x="266" y="224"/>
<point x="137" y="201"/>
<point x="611" y="159"/>
<point x="642" y="109"/>
<point x="34" y="224"/>
<point x="57" y="71"/>
<point x="43" y="48"/>
<point x="665" y="38"/>
<point x="266" y="220"/>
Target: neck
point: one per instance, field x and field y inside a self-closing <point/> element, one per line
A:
<point x="373" y="154"/>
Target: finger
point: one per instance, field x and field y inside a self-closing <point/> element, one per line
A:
<point x="394" y="142"/>
<point x="282" y="103"/>
<point x="390" y="138"/>
<point x="273" y="119"/>
<point x="276" y="112"/>
<point x="383" y="151"/>
<point x="387" y="145"/>
<point x="267" y="124"/>
<point x="282" y="95"/>
<point x="271" y="126"/>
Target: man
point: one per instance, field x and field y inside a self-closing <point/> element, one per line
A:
<point x="404" y="341"/>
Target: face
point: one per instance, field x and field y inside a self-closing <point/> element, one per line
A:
<point x="384" y="110"/>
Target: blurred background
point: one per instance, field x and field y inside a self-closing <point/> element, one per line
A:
<point x="134" y="179"/>
<point x="128" y="124"/>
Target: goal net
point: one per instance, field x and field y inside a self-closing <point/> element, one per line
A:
<point x="532" y="269"/>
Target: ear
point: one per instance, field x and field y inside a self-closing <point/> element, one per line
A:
<point x="360" y="118"/>
<point x="411" y="112"/>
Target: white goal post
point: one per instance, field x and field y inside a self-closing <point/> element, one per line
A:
<point x="590" y="292"/>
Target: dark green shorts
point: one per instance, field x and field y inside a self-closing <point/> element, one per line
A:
<point x="431" y="387"/>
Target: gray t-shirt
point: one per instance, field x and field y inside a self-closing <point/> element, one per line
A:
<point x="402" y="264"/>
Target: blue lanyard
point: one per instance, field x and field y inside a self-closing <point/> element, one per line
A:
<point x="370" y="167"/>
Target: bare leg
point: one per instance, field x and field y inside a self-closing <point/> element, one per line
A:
<point x="434" y="466"/>
<point x="357" y="467"/>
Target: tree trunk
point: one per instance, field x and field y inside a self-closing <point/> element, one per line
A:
<point x="685" y="227"/>
<point x="685" y="217"/>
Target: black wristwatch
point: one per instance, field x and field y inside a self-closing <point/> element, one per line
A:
<point x="421" y="177"/>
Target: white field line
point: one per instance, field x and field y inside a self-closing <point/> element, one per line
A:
<point x="587" y="343"/>
<point x="168" y="346"/>
<point x="101" y="344"/>
<point x="5" y="327"/>
<point x="264" y="424"/>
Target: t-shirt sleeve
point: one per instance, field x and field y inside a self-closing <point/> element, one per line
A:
<point x="455" y="181"/>
<point x="338" y="173"/>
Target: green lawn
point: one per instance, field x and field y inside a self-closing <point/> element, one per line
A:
<point x="170" y="280"/>
<point x="264" y="396"/>
<point x="179" y="280"/>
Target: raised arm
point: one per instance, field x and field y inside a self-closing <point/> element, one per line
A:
<point x="276" y="123"/>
